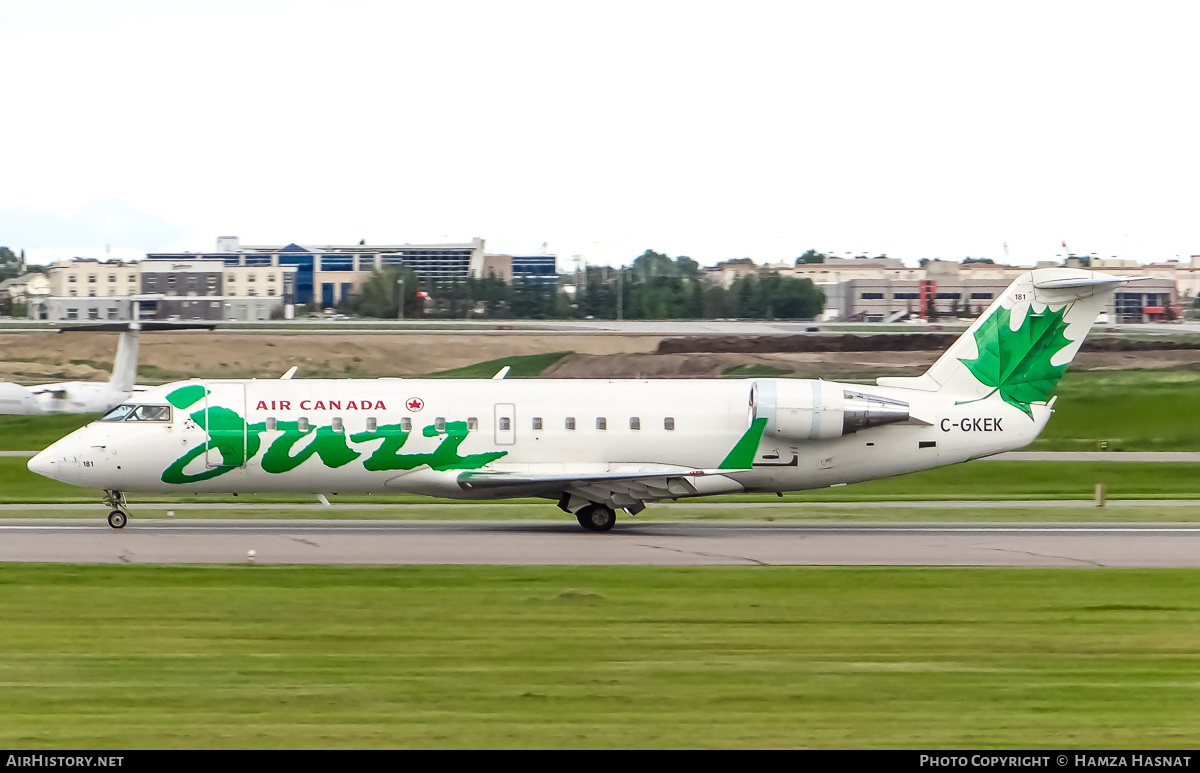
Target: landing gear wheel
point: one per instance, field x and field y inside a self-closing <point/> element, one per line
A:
<point x="596" y="517"/>
<point x="117" y="519"/>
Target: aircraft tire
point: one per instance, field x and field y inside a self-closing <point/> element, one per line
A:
<point x="596" y="517"/>
<point x="117" y="519"/>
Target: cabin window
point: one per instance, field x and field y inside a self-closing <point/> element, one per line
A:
<point x="635" y="422"/>
<point x="371" y="424"/>
<point x="271" y="424"/>
<point x="302" y="424"/>
<point x="406" y="424"/>
<point x="669" y="423"/>
<point x="537" y="422"/>
<point x="505" y="424"/>
<point x="601" y="423"/>
<point x="337" y="424"/>
<point x="439" y="424"/>
<point x="570" y="423"/>
<point x="472" y="423"/>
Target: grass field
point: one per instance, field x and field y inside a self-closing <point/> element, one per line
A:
<point x="33" y="433"/>
<point x="521" y="366"/>
<point x="245" y="657"/>
<point x="1133" y="410"/>
<point x="134" y="657"/>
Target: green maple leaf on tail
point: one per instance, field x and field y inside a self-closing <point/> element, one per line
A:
<point x="1017" y="362"/>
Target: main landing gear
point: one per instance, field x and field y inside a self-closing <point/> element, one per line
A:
<point x="596" y="517"/>
<point x="119" y="516"/>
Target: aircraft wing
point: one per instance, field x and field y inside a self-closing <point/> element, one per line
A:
<point x="619" y="489"/>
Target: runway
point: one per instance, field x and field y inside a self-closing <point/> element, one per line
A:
<point x="516" y="543"/>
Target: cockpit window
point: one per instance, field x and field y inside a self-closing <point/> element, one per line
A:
<point x="150" y="413"/>
<point x="128" y="412"/>
<point x="119" y="413"/>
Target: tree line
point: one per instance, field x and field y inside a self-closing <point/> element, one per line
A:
<point x="654" y="287"/>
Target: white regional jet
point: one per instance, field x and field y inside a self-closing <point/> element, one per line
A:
<point x="78" y="396"/>
<point x="88" y="396"/>
<point x="593" y="446"/>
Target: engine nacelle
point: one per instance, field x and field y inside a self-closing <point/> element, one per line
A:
<point x="819" y="410"/>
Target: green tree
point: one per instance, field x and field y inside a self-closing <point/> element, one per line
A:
<point x="10" y="264"/>
<point x="811" y="256"/>
<point x="381" y="294"/>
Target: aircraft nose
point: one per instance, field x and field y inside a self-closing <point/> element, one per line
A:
<point x="54" y="463"/>
<point x="45" y="463"/>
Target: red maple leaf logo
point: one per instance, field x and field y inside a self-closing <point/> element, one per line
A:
<point x="415" y="404"/>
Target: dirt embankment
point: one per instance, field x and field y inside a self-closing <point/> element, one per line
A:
<point x="46" y="356"/>
<point x="895" y="342"/>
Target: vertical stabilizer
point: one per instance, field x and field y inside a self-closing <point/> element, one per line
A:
<point x="124" y="371"/>
<point x="1019" y="348"/>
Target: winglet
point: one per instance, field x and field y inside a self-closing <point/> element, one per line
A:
<point x="501" y="373"/>
<point x="290" y="372"/>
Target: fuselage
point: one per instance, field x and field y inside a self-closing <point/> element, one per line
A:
<point x="422" y="436"/>
<point x="65" y="397"/>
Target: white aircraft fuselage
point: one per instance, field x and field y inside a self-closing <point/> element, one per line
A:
<point x="595" y="446"/>
<point x="61" y="397"/>
<point x="78" y="396"/>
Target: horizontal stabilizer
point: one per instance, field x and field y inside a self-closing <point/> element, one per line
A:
<point x="1091" y="281"/>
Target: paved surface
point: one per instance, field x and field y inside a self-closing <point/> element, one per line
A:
<point x="541" y="543"/>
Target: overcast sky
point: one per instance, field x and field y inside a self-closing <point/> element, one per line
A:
<point x="713" y="130"/>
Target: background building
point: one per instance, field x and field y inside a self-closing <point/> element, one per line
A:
<point x="329" y="275"/>
<point x="197" y="289"/>
<point x="25" y="288"/>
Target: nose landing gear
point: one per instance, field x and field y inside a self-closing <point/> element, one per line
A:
<point x="119" y="516"/>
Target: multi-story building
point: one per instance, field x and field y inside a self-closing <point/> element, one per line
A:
<point x="542" y="269"/>
<point x="91" y="278"/>
<point x="199" y="289"/>
<point x="329" y="275"/>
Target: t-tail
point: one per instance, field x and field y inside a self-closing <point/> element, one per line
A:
<point x="1020" y="347"/>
